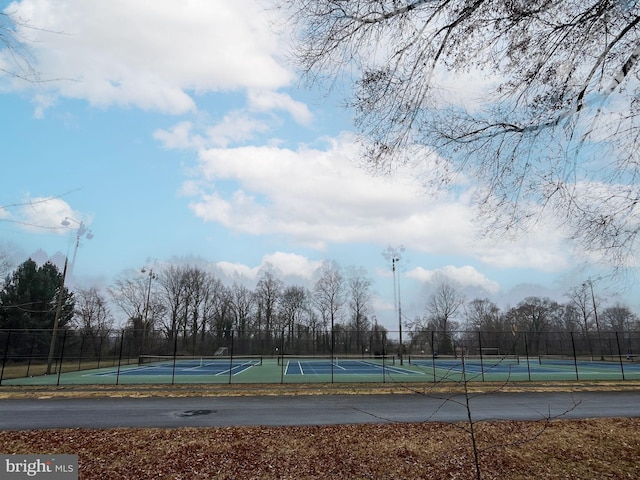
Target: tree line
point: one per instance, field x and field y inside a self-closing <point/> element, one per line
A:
<point x="536" y="325"/>
<point x="188" y="309"/>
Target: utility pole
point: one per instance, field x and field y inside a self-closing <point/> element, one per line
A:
<point x="82" y="231"/>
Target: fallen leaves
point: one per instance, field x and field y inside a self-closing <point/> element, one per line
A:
<point x="566" y="449"/>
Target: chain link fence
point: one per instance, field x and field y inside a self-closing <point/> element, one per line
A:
<point x="33" y="355"/>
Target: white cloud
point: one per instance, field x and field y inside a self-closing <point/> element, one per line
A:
<point x="291" y="264"/>
<point x="235" y="127"/>
<point x="315" y="196"/>
<point x="150" y="53"/>
<point x="320" y="197"/>
<point x="269" y="100"/>
<point x="234" y="270"/>
<point x="40" y="214"/>
<point x="287" y="264"/>
<point x="466" y="276"/>
<point x="179" y="136"/>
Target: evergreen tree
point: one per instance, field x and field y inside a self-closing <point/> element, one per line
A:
<point x="29" y="298"/>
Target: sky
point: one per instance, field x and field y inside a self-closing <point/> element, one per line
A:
<point x="180" y="130"/>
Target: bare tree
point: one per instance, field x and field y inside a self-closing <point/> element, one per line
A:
<point x="442" y="310"/>
<point x="533" y="316"/>
<point x="243" y="304"/>
<point x="556" y="126"/>
<point x="5" y="265"/>
<point x="360" y="308"/>
<point x="130" y="295"/>
<point x="328" y="295"/>
<point x="173" y="293"/>
<point x="18" y="59"/>
<point x="268" y="292"/>
<point x="222" y="311"/>
<point x="483" y="314"/>
<point x="293" y="306"/>
<point x="580" y="299"/>
<point x="92" y="317"/>
<point x="200" y="289"/>
<point x="619" y="318"/>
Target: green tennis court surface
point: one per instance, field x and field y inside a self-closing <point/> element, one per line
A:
<point x="185" y="370"/>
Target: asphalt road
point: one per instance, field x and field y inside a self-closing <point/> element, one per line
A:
<point x="308" y="410"/>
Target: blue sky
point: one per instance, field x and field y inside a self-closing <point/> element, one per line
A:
<point x="179" y="130"/>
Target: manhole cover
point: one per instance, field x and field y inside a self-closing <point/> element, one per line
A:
<point x="194" y="413"/>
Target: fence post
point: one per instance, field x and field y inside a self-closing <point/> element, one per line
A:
<point x="4" y="357"/>
<point x="120" y="357"/>
<point x="33" y="344"/>
<point x="384" y="358"/>
<point x="64" y="341"/>
<point x="481" y="359"/>
<point x="282" y="360"/>
<point x="575" y="356"/>
<point x="175" y="357"/>
<point x="620" y="355"/>
<point x="100" y="349"/>
<point x="81" y="351"/>
<point x="231" y="358"/>
<point x="433" y="356"/>
<point x="332" y="349"/>
<point x="526" y="352"/>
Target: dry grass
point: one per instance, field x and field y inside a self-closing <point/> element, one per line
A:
<point x="589" y="449"/>
<point x="209" y="390"/>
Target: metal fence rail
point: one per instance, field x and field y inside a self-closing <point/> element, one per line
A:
<point x="25" y="354"/>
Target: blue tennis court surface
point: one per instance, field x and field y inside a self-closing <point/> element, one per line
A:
<point x="533" y="367"/>
<point x="343" y="367"/>
<point x="187" y="367"/>
<point x="317" y="369"/>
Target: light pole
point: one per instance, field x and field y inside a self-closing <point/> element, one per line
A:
<point x="152" y="276"/>
<point x="393" y="254"/>
<point x="82" y="231"/>
<point x="595" y="316"/>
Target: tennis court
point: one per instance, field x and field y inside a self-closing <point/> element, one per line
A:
<point x="194" y="366"/>
<point x="515" y="368"/>
<point x="343" y="366"/>
<point x="348" y="369"/>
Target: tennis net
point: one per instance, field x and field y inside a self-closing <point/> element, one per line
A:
<point x="488" y="360"/>
<point x="343" y="360"/>
<point x="199" y="361"/>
